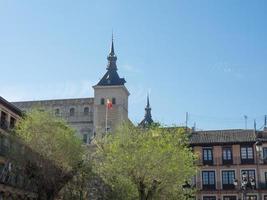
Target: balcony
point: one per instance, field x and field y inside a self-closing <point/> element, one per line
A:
<point x="4" y="125"/>
<point x="209" y="187"/>
<point x="208" y="162"/>
<point x="247" y="161"/>
<point x="228" y="186"/>
<point x="227" y="162"/>
<point x="263" y="186"/>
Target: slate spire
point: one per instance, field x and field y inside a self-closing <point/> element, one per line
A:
<point x="112" y="58"/>
<point x="148" y="116"/>
<point x="111" y="77"/>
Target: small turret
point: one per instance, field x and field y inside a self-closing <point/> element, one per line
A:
<point x="147" y="121"/>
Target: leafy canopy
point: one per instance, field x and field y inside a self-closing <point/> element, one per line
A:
<point x="145" y="164"/>
<point x="50" y="137"/>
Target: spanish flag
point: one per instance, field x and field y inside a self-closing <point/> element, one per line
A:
<point x="109" y="104"/>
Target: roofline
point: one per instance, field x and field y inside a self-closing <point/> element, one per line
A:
<point x="53" y="100"/>
<point x="221" y="130"/>
<point x="219" y="143"/>
<point x="10" y="106"/>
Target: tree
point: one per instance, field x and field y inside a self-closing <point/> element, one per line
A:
<point x="54" y="153"/>
<point x="145" y="164"/>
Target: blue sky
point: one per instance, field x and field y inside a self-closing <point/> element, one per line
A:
<point x="207" y="58"/>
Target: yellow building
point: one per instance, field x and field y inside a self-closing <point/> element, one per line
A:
<point x="231" y="165"/>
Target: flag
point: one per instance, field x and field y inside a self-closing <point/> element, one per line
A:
<point x="109" y="104"/>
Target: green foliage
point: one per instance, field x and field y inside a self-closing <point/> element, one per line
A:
<point x="145" y="164"/>
<point x="50" y="137"/>
<point x="78" y="187"/>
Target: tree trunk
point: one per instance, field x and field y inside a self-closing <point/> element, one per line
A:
<point x="142" y="191"/>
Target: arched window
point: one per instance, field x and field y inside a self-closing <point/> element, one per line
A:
<point x="57" y="111"/>
<point x="72" y="111"/>
<point x="86" y="111"/>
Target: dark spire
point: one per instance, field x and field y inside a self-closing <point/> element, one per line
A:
<point x="148" y="104"/>
<point x="148" y="117"/>
<point x="111" y="77"/>
<point x="112" y="58"/>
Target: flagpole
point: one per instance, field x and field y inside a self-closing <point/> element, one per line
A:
<point x="106" y="118"/>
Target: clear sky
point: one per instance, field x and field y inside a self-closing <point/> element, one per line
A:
<point x="207" y="58"/>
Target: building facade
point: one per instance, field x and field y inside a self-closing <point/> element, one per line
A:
<point x="90" y="116"/>
<point x="12" y="185"/>
<point x="230" y="165"/>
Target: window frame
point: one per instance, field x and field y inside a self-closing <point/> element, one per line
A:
<point x="249" y="175"/>
<point x="227" y="160"/>
<point x="102" y="101"/>
<point x="113" y="100"/>
<point x="264" y="155"/>
<point x="72" y="112"/>
<point x="207" y="155"/>
<point x="247" y="159"/>
<point x="230" y="182"/>
<point x="209" y="185"/>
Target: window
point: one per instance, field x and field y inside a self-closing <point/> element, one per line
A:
<point x="72" y="111"/>
<point x="208" y="180"/>
<point x="12" y="122"/>
<point x="229" y="198"/>
<point x="228" y="179"/>
<point x="247" y="155"/>
<point x="227" y="155"/>
<point x="250" y="175"/>
<point x="207" y="156"/>
<point x="209" y="198"/>
<point x="57" y="112"/>
<point x="265" y="185"/>
<point x="264" y="151"/>
<point x="3" y="120"/>
<point x="85" y="138"/>
<point x="113" y="101"/>
<point x="102" y="101"/>
<point x="86" y="111"/>
<point x="251" y="197"/>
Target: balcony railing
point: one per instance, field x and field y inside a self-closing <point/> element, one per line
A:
<point x="247" y="161"/>
<point x="227" y="162"/>
<point x="209" y="187"/>
<point x="217" y="161"/>
<point x="220" y="186"/>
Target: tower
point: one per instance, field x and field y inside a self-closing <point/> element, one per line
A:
<point x="147" y="121"/>
<point x="111" y="87"/>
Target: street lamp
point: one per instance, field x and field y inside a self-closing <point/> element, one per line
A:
<point x="246" y="183"/>
<point x="258" y="146"/>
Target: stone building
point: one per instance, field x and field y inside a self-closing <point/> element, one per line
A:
<point x="89" y="116"/>
<point x="230" y="165"/>
<point x="12" y="185"/>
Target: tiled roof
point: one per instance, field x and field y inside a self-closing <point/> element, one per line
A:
<point x="111" y="78"/>
<point x="10" y="106"/>
<point x="222" y="136"/>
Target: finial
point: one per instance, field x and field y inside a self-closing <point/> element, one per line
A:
<point x="148" y="104"/>
<point x="112" y="53"/>
<point x="112" y="58"/>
